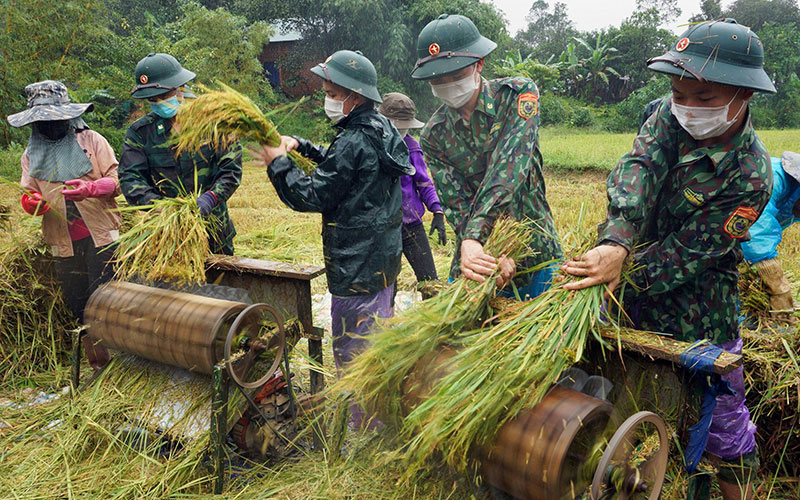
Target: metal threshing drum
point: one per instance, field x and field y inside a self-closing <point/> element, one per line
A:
<point x="175" y="328"/>
<point x="539" y="455"/>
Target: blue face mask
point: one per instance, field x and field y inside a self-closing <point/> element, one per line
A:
<point x="166" y="108"/>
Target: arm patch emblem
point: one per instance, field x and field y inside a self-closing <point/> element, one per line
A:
<point x="527" y="105"/>
<point x="740" y="221"/>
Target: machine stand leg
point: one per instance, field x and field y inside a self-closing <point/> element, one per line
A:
<point x="317" y="382"/>
<point x="699" y="487"/>
<point x="219" y="420"/>
<point x="75" y="374"/>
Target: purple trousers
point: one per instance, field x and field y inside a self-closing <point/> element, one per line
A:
<point x="732" y="432"/>
<point x="352" y="319"/>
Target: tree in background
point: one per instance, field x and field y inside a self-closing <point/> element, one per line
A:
<point x="40" y="41"/>
<point x="94" y="49"/>
<point x="548" y="31"/>
<point x="756" y="13"/>
<point x="596" y="69"/>
<point x="384" y="30"/>
<point x="218" y="45"/>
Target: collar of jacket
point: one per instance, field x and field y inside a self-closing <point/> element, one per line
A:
<point x="357" y="115"/>
<point x="162" y="125"/>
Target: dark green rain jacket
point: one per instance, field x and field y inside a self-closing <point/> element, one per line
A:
<point x="356" y="187"/>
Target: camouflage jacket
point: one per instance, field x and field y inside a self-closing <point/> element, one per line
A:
<point x="491" y="166"/>
<point x="149" y="170"/>
<point x="684" y="210"/>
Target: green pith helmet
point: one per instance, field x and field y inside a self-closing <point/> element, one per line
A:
<point x="158" y="74"/>
<point x="352" y="71"/>
<point x="447" y="44"/>
<point x="721" y="51"/>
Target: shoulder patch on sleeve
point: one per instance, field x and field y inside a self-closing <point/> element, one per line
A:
<point x="740" y="221"/>
<point x="527" y="105"/>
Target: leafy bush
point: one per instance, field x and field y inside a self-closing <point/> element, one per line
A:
<point x="309" y="121"/>
<point x="9" y="161"/>
<point x="555" y="110"/>
<point x="582" y="116"/>
<point x="628" y="113"/>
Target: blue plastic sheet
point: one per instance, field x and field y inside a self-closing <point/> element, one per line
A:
<point x="699" y="359"/>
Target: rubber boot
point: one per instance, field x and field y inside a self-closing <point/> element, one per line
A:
<point x="780" y="292"/>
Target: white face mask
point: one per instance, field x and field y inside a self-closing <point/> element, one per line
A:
<point x="335" y="108"/>
<point x="704" y="123"/>
<point x="403" y="131"/>
<point x="458" y="93"/>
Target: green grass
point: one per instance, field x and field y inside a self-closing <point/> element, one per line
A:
<point x="576" y="149"/>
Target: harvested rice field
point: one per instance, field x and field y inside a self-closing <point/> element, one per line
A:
<point x="56" y="446"/>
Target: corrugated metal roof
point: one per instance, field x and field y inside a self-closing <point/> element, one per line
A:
<point x="284" y="34"/>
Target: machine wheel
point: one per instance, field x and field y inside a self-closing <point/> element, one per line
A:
<point x="634" y="463"/>
<point x="234" y="331"/>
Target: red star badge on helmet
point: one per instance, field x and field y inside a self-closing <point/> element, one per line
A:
<point x="143" y="78"/>
<point x="433" y="49"/>
<point x="682" y="44"/>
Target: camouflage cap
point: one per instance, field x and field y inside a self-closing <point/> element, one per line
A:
<point x="48" y="101"/>
<point x="399" y="108"/>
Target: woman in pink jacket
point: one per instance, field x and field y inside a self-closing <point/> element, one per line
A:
<point x="70" y="173"/>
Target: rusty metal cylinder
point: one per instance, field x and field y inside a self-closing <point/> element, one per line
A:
<point x="175" y="328"/>
<point x="539" y="455"/>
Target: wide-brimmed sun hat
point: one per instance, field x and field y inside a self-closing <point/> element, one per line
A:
<point x="48" y="100"/>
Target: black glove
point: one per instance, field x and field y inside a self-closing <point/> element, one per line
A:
<point x="438" y="225"/>
<point x="206" y="202"/>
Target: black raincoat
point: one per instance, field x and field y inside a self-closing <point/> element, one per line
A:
<point x="356" y="187"/>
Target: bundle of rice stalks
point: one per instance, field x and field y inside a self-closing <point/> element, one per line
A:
<point x="222" y="117"/>
<point x="498" y="372"/>
<point x="753" y="298"/>
<point x="33" y="319"/>
<point x="168" y="243"/>
<point x="480" y="374"/>
<point x="404" y="340"/>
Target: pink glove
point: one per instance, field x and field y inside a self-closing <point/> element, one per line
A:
<point x="101" y="188"/>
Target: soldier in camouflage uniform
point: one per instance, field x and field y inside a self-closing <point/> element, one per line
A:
<point x="483" y="151"/>
<point x="148" y="168"/>
<point x="681" y="202"/>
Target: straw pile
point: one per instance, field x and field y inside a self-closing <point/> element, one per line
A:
<point x="168" y="243"/>
<point x="772" y="376"/>
<point x="83" y="447"/>
<point x="222" y="117"/>
<point x="33" y="318"/>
